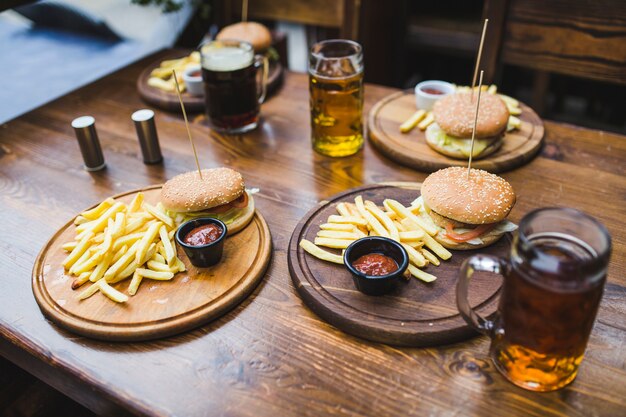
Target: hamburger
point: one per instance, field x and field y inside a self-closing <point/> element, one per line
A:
<point x="254" y="33"/>
<point x="220" y="194"/>
<point x="468" y="213"/>
<point x="454" y="115"/>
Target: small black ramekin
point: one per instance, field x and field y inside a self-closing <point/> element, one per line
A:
<point x="204" y="255"/>
<point x="370" y="284"/>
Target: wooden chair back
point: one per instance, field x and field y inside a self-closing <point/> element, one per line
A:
<point x="339" y="14"/>
<point x="580" y="38"/>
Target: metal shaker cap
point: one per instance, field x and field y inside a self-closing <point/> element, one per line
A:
<point x="147" y="134"/>
<point x="85" y="130"/>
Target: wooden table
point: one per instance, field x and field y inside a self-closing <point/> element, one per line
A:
<point x="272" y="356"/>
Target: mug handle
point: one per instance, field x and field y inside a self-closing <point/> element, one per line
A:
<point x="264" y="80"/>
<point x="485" y="263"/>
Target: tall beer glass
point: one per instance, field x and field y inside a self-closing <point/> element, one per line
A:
<point x="553" y="282"/>
<point x="233" y="94"/>
<point x="336" y="97"/>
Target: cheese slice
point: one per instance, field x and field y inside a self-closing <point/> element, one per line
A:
<point x="443" y="140"/>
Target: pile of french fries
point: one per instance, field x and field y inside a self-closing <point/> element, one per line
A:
<point x="394" y="220"/>
<point x="422" y="119"/>
<point x="163" y="78"/>
<point x="115" y="241"/>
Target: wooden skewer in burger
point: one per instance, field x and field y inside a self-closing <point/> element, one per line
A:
<point x="468" y="206"/>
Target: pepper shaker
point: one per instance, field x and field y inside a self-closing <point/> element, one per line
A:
<point x="85" y="129"/>
<point x="147" y="134"/>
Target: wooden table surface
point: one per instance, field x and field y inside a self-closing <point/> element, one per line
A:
<point x="272" y="356"/>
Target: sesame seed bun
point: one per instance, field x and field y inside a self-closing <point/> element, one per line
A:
<point x="455" y="114"/>
<point x="187" y="192"/>
<point x="254" y="33"/>
<point x="484" y="198"/>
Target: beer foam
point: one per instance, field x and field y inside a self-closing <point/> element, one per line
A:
<point x="226" y="58"/>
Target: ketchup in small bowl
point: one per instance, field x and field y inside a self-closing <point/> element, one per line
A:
<point x="202" y="239"/>
<point x="376" y="264"/>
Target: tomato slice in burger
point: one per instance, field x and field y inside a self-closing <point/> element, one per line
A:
<point x="464" y="237"/>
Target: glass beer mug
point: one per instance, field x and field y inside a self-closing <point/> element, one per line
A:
<point x="553" y="283"/>
<point x="232" y="94"/>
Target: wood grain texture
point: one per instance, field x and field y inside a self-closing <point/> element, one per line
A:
<point x="271" y="355"/>
<point x="417" y="313"/>
<point x="411" y="149"/>
<point x="160" y="308"/>
<point x="581" y="38"/>
<point x="167" y="100"/>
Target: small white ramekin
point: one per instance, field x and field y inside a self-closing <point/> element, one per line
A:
<point x="425" y="100"/>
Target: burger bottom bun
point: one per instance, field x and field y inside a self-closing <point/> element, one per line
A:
<point x="457" y="154"/>
<point x="488" y="239"/>
<point x="245" y="217"/>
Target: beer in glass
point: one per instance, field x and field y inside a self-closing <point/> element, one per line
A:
<point x="232" y="94"/>
<point x="553" y="283"/>
<point x="336" y="97"/>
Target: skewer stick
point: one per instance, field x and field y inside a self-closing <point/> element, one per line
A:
<point x="480" y="52"/>
<point x="182" y="106"/>
<point x="469" y="163"/>
<point x="244" y="11"/>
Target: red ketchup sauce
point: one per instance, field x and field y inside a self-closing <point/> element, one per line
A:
<point x="430" y="90"/>
<point x="195" y="74"/>
<point x="203" y="235"/>
<point x="375" y="264"/>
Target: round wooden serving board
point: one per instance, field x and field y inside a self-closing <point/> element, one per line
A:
<point x="410" y="148"/>
<point x="160" y="308"/>
<point x="168" y="100"/>
<point x="417" y="314"/>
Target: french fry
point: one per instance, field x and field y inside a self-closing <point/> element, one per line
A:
<point x="419" y="274"/>
<point x="101" y="268"/>
<point x="333" y="218"/>
<point x="371" y="220"/>
<point x="309" y="247"/>
<point x="412" y="121"/>
<point x="332" y="234"/>
<point x="80" y="280"/>
<point x="88" y="292"/>
<point x="69" y="246"/>
<point x="161" y="84"/>
<point x="131" y="267"/>
<point x="119" y="225"/>
<point x="493" y="89"/>
<point x="430" y="257"/>
<point x="161" y="267"/>
<point x="382" y="217"/>
<point x="170" y="253"/>
<point x="78" y="251"/>
<point x="88" y="264"/>
<point x="127" y="240"/>
<point x="95" y="212"/>
<point x="427" y="121"/>
<point x="403" y="212"/>
<point x="339" y="227"/>
<point x="514" y="123"/>
<point x="411" y="235"/>
<point x="159" y="215"/>
<point x="145" y="242"/>
<point x="80" y="220"/>
<point x="414" y="256"/>
<point x="101" y="222"/>
<point x="161" y="276"/>
<point x="159" y="258"/>
<point x="435" y="246"/>
<point x="122" y="262"/>
<point x="333" y="243"/>
<point x="134" y="283"/>
<point x="111" y="292"/>
<point x="343" y="210"/>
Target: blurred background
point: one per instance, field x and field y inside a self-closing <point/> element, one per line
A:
<point x="51" y="47"/>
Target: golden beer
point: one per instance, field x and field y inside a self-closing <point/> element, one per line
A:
<point x="336" y="97"/>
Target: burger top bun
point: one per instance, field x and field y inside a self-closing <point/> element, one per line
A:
<point x="455" y="115"/>
<point x="254" y="33"/>
<point x="484" y="198"/>
<point x="187" y="192"/>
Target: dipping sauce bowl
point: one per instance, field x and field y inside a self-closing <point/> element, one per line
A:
<point x="202" y="255"/>
<point x="428" y="92"/>
<point x="376" y="284"/>
<point x="192" y="76"/>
